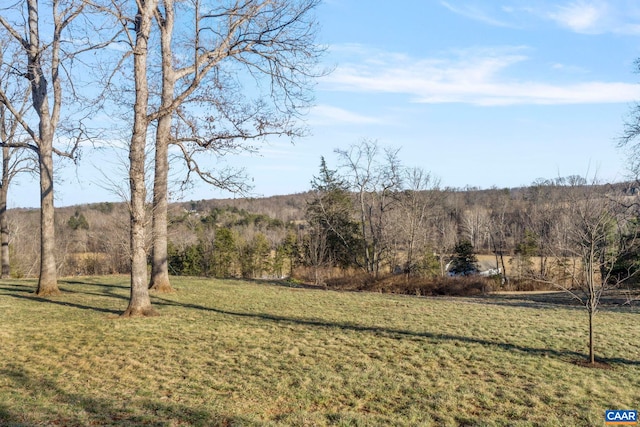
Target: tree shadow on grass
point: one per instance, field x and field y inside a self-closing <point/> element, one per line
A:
<point x="555" y="300"/>
<point x="566" y="355"/>
<point x="107" y="293"/>
<point x="279" y="283"/>
<point x="32" y="297"/>
<point x="387" y="332"/>
<point x="66" y="286"/>
<point x="7" y="417"/>
<point x="107" y="289"/>
<point x="91" y="283"/>
<point x="18" y="288"/>
<point x="78" y="408"/>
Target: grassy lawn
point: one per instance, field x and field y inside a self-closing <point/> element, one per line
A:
<point x="240" y="353"/>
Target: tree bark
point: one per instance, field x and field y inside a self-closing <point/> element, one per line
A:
<point x="47" y="283"/>
<point x="5" y="270"/>
<point x="592" y="302"/>
<point x="592" y="354"/>
<point x="160" y="259"/>
<point x="139" y="301"/>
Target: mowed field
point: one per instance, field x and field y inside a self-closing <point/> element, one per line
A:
<point x="248" y="353"/>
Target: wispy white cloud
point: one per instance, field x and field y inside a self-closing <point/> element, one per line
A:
<point x="332" y="115"/>
<point x="479" y="77"/>
<point x="592" y="16"/>
<point x="582" y="16"/>
<point x="568" y="69"/>
<point x="477" y="13"/>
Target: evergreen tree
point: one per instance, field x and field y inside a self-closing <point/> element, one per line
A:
<point x="329" y="215"/>
<point x="464" y="261"/>
<point x="224" y="253"/>
<point x="290" y="249"/>
<point x="78" y="222"/>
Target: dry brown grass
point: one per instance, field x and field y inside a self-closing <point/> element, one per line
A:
<point x="249" y="353"/>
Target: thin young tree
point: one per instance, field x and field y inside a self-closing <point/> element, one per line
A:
<point x="497" y="232"/>
<point x="375" y="177"/>
<point x="415" y="203"/>
<point x="601" y="231"/>
<point x="445" y="229"/>
<point x="43" y="43"/>
<point x="600" y="226"/>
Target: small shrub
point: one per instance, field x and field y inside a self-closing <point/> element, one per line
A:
<point x="527" y="285"/>
<point x="463" y="286"/>
<point x="352" y="282"/>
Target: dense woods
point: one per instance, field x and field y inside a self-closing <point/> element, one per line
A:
<point x="525" y="232"/>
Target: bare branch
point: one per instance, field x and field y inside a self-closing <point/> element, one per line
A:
<point x="232" y="180"/>
<point x="24" y="42"/>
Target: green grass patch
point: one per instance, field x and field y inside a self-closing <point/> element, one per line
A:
<point x="248" y="353"/>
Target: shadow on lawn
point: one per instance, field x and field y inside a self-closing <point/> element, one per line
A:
<point x="74" y="408"/>
<point x="106" y="293"/>
<point x="33" y="297"/>
<point x="109" y="291"/>
<point x="89" y="282"/>
<point x="18" y="288"/>
<point x="399" y="333"/>
<point x="388" y="332"/>
<point x="555" y="300"/>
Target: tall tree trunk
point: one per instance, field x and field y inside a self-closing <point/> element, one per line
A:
<point x="5" y="270"/>
<point x="47" y="283"/>
<point x="363" y="229"/>
<point x="4" y="236"/>
<point x="160" y="259"/>
<point x="139" y="301"/>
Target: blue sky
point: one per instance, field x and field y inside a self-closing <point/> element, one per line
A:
<point x="480" y="93"/>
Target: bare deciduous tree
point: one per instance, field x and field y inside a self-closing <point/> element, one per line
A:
<point x="375" y="182"/>
<point x="275" y="41"/>
<point x="416" y="202"/>
<point x="599" y="231"/>
<point x="139" y="300"/>
<point x="200" y="107"/>
<point x="15" y="159"/>
<point x="43" y="57"/>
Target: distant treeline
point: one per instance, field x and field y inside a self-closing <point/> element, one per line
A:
<point x="317" y="235"/>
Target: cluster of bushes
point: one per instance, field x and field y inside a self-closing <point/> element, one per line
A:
<point x="229" y="255"/>
<point x="430" y="286"/>
<point x="400" y="284"/>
